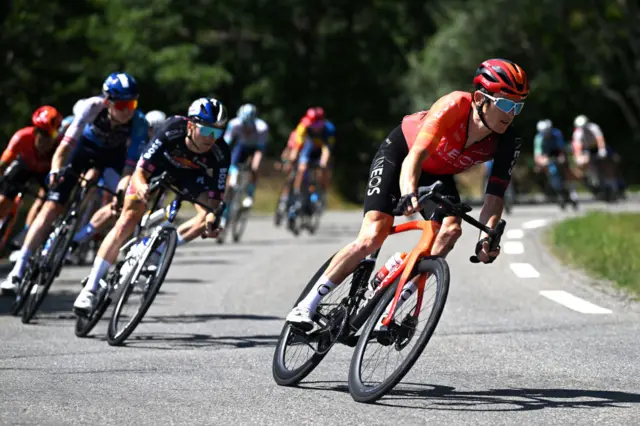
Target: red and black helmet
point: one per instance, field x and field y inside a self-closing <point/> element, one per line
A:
<point x="47" y="118"/>
<point x="315" y="114"/>
<point x="502" y="75"/>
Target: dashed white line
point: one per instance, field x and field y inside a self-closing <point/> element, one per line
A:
<point x="524" y="270"/>
<point x="532" y="224"/>
<point x="515" y="234"/>
<point x="513" y="247"/>
<point x="574" y="302"/>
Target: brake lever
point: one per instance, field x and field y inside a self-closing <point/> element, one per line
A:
<point x="495" y="235"/>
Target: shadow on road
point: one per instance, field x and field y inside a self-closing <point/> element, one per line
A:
<point x="202" y="261"/>
<point x="57" y="305"/>
<point x="181" y="341"/>
<point x="446" y="398"/>
<point x="191" y="319"/>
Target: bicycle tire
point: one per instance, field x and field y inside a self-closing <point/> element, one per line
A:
<point x="57" y="255"/>
<point x="24" y="289"/>
<point x="239" y="224"/>
<point x="115" y="338"/>
<point x="281" y="374"/>
<point x="359" y="391"/>
<point x="222" y="236"/>
<point x="6" y="228"/>
<point x="84" y="324"/>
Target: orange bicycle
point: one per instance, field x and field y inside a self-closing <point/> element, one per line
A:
<point x="382" y="323"/>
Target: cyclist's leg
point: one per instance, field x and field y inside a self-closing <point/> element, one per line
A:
<point x="52" y="208"/>
<point x="256" y="159"/>
<point x="304" y="158"/>
<point x="132" y="212"/>
<point x="104" y="214"/>
<point x="383" y="191"/>
<point x="192" y="228"/>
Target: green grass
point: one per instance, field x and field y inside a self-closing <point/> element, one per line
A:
<point x="607" y="245"/>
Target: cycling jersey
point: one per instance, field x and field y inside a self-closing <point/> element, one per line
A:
<point x="192" y="172"/>
<point x="253" y="135"/>
<point x="23" y="144"/>
<point x="93" y="126"/>
<point x="447" y="124"/>
<point x="318" y="136"/>
<point x="551" y="143"/>
<point x="587" y="135"/>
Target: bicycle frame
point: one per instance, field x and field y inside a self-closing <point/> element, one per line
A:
<point x="430" y="229"/>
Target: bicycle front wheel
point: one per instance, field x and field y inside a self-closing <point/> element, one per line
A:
<point x="141" y="288"/>
<point x="383" y="356"/>
<point x="53" y="263"/>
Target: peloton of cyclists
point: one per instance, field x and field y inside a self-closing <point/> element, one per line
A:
<point x="193" y="150"/>
<point x="107" y="132"/>
<point x="460" y="130"/>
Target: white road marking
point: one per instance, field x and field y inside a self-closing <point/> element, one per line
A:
<point x="515" y="234"/>
<point x="574" y="302"/>
<point x="532" y="224"/>
<point x="524" y="270"/>
<point x="513" y="247"/>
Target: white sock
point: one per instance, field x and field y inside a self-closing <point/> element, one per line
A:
<point x="181" y="241"/>
<point x="21" y="263"/>
<point x="314" y="297"/>
<point x="100" y="267"/>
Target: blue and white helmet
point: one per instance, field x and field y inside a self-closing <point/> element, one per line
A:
<point x="120" y="86"/>
<point x="247" y="113"/>
<point x="208" y="111"/>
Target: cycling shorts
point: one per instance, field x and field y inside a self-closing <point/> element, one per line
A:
<point x="242" y="152"/>
<point x="17" y="177"/>
<point x="85" y="156"/>
<point x="383" y="187"/>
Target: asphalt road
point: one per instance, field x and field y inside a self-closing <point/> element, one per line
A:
<point x="502" y="354"/>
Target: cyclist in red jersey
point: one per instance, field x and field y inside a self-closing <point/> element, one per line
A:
<point x="28" y="156"/>
<point x="460" y="130"/>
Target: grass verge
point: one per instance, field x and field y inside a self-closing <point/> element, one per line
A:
<point x="607" y="245"/>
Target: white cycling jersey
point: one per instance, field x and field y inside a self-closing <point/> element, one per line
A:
<point x="587" y="135"/>
<point x="252" y="135"/>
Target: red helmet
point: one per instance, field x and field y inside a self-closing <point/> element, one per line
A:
<point x="315" y="114"/>
<point x="47" y="118"/>
<point x="502" y="75"/>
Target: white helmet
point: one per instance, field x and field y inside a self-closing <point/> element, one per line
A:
<point x="580" y="121"/>
<point x="155" y="118"/>
<point x="544" y="125"/>
<point x="247" y="113"/>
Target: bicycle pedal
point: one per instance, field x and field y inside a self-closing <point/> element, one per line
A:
<point x="301" y="328"/>
<point x="351" y="340"/>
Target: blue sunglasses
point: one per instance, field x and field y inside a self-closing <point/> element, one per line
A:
<point x="506" y="105"/>
<point x="208" y="131"/>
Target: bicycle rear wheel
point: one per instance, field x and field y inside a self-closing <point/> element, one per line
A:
<point x="298" y="353"/>
<point x="53" y="263"/>
<point x="144" y="284"/>
<point x="395" y="343"/>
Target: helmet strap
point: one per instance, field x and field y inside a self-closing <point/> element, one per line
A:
<point x="481" y="113"/>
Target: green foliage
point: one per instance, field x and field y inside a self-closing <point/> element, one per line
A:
<point x="367" y="63"/>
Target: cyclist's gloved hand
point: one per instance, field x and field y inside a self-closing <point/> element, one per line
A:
<point x="54" y="178"/>
<point x="212" y="227"/>
<point x="483" y="251"/>
<point x="407" y="205"/>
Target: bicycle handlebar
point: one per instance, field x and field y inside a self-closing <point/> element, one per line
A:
<point x="164" y="180"/>
<point x="460" y="210"/>
<point x="64" y="169"/>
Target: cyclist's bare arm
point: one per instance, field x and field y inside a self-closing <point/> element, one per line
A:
<point x="325" y="156"/>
